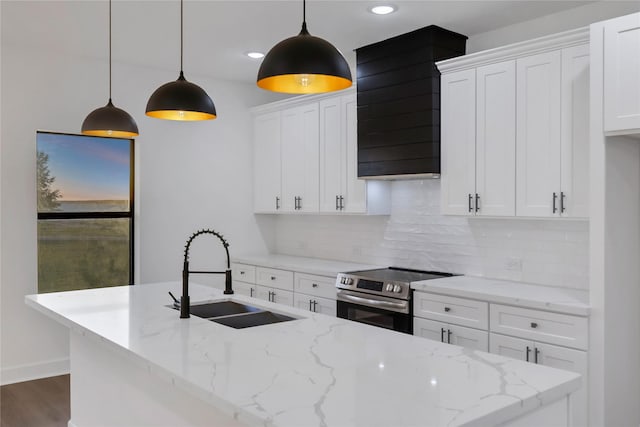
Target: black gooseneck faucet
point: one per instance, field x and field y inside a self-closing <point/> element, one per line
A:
<point x="185" y="304"/>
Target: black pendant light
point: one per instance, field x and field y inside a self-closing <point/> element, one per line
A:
<point x="110" y="120"/>
<point x="181" y="100"/>
<point x="304" y="64"/>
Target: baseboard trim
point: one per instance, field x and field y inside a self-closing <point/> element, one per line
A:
<point x="34" y="371"/>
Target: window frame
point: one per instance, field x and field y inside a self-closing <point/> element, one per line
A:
<point x="105" y="215"/>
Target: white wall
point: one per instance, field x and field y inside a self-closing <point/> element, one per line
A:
<point x="562" y="21"/>
<point x="415" y="235"/>
<point x="191" y="175"/>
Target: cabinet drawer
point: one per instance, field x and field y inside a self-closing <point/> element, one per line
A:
<point x="459" y="311"/>
<point x="243" y="272"/>
<point x="310" y="284"/>
<point x="553" y="328"/>
<point x="280" y="279"/>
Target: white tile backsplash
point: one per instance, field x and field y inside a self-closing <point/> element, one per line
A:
<point x="545" y="251"/>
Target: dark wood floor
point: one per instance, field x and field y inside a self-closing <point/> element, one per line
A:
<point x="39" y="403"/>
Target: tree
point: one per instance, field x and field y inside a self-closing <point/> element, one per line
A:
<point x="47" y="196"/>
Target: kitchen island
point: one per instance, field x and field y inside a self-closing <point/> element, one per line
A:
<point x="135" y="362"/>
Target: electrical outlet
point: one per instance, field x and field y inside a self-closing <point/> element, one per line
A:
<point x="514" y="264"/>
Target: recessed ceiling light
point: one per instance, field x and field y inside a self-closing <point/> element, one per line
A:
<point x="383" y="9"/>
<point x="255" y="55"/>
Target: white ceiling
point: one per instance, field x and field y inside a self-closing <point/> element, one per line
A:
<point x="218" y="33"/>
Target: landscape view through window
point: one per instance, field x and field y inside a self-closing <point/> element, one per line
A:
<point x="85" y="218"/>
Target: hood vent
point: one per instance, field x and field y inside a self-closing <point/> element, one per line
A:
<point x="398" y="88"/>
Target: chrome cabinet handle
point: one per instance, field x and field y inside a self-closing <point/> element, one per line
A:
<point x="528" y="351"/>
<point x="299" y="203"/>
<point x="315" y="303"/>
<point x="477" y="202"/>
<point x="449" y="336"/>
<point x="534" y="325"/>
<point x="535" y="355"/>
<point x="447" y="309"/>
<point x="314" y="285"/>
<point x="562" y="207"/>
<point x="337" y="202"/>
<point x="273" y="277"/>
<point x="341" y="203"/>
<point x="251" y="292"/>
<point x="310" y="309"/>
<point x="241" y="273"/>
<point x="441" y="334"/>
<point x="277" y="203"/>
<point x="555" y="198"/>
<point x="470" y="200"/>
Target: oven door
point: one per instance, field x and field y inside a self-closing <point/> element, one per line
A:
<point x="375" y="310"/>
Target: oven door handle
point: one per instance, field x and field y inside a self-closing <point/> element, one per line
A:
<point x="389" y="305"/>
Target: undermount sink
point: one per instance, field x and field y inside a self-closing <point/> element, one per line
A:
<point x="220" y="308"/>
<point x="248" y="320"/>
<point x="236" y="315"/>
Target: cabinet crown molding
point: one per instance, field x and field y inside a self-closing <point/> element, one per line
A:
<point x="299" y="100"/>
<point x="562" y="40"/>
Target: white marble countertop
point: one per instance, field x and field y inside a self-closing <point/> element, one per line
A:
<point x="561" y="300"/>
<point x="321" y="267"/>
<point x="317" y="370"/>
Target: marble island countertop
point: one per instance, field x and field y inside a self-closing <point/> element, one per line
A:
<point x="317" y="370"/>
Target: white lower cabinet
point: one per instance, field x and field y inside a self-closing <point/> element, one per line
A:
<point x="451" y="334"/>
<point x="305" y="291"/>
<point x="548" y="355"/>
<point x="315" y="304"/>
<point x="276" y="295"/>
<point x="242" y="288"/>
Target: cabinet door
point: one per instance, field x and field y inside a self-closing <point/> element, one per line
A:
<point x="575" y="132"/>
<point x="496" y="139"/>
<point x="278" y="296"/>
<point x="355" y="196"/>
<point x="243" y="288"/>
<point x="468" y="337"/>
<point x="538" y="134"/>
<point x="266" y="163"/>
<point x="458" y="141"/>
<point x="621" y="74"/>
<point x="430" y="329"/>
<point x="332" y="155"/>
<point x="570" y="360"/>
<point x="315" y="304"/>
<point x="300" y="165"/>
<point x="515" y="348"/>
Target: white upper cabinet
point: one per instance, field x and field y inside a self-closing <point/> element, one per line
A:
<point x="515" y="125"/>
<point x="300" y="151"/>
<point x="622" y="75"/>
<point x="458" y="142"/>
<point x="315" y="142"/>
<point x="574" y="181"/>
<point x="267" y="196"/>
<point x="496" y="139"/>
<point x="538" y="135"/>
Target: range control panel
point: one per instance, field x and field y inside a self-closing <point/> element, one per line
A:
<point x="358" y="283"/>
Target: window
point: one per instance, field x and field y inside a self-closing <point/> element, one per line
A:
<point x="85" y="211"/>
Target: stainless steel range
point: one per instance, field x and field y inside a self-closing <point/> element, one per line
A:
<point x="381" y="297"/>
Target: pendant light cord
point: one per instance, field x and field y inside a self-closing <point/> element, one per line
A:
<point x="109" y="50"/>
<point x="181" y="33"/>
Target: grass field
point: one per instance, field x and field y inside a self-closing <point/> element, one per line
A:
<point x="82" y="254"/>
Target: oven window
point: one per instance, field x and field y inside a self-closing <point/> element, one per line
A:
<point x="371" y="318"/>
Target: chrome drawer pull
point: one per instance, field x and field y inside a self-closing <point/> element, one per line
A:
<point x="447" y="309"/>
<point x="534" y="325"/>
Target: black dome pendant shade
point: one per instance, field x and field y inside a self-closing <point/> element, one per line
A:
<point x="181" y="100"/>
<point x="110" y="120"/>
<point x="304" y="64"/>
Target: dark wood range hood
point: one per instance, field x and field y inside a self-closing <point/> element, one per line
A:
<point x="398" y="88"/>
